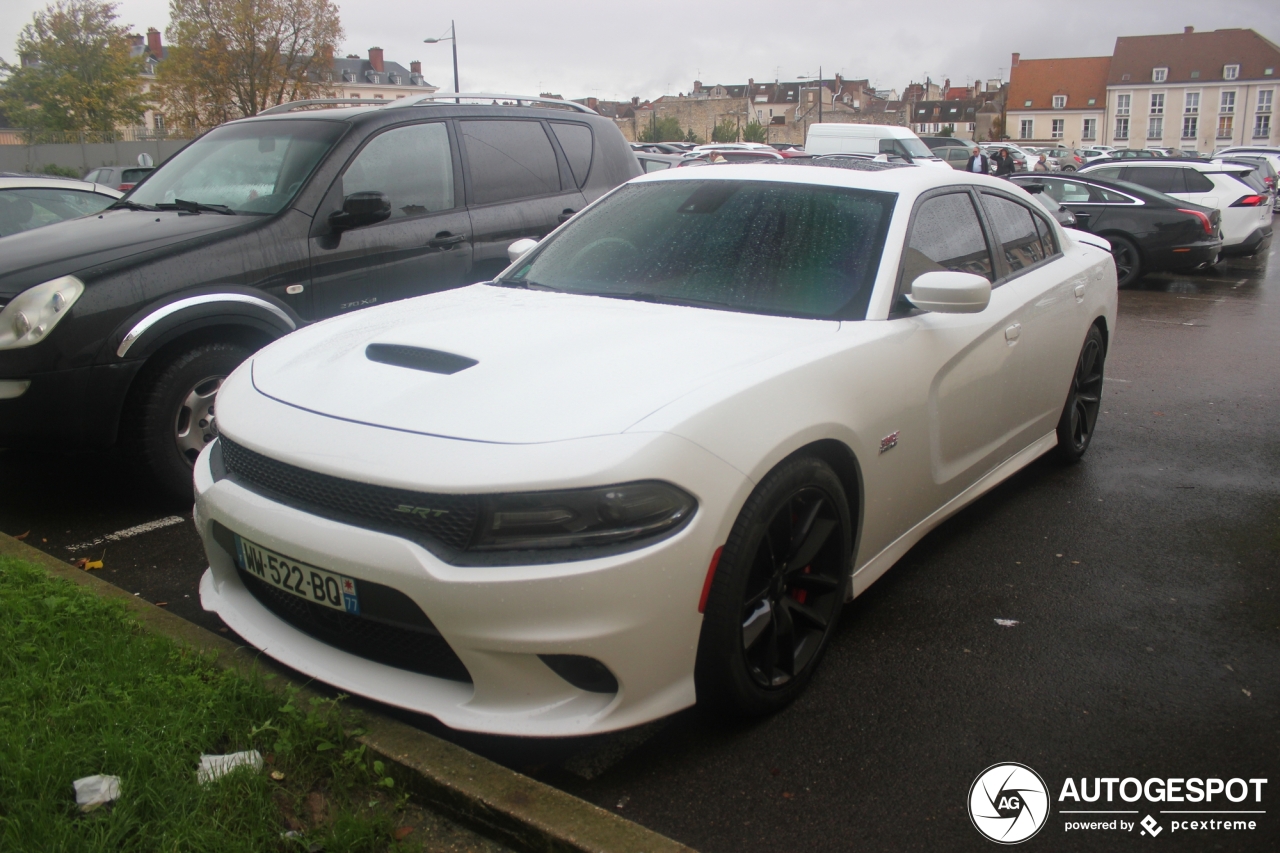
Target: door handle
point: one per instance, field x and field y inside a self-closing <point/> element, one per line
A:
<point x="565" y="215"/>
<point x="444" y="240"/>
<point x="1079" y="293"/>
<point x="1011" y="334"/>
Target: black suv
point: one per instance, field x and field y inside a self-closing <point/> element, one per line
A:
<point x="122" y="326"/>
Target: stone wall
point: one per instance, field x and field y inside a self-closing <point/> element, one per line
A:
<point x="703" y="114"/>
<point x="83" y="157"/>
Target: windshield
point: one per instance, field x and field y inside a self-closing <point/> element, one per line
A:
<point x="250" y="167"/>
<point x="755" y="246"/>
<point x="916" y="148"/>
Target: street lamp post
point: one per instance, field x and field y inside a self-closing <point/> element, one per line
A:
<point x="452" y="37"/>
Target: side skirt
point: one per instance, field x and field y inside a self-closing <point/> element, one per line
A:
<point x="871" y="571"/>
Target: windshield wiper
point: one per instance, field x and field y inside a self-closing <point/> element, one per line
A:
<point x="125" y="204"/>
<point x="656" y="298"/>
<point x="522" y="283"/>
<point x="196" y="207"/>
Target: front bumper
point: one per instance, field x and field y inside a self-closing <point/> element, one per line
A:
<point x="79" y="407"/>
<point x="634" y="612"/>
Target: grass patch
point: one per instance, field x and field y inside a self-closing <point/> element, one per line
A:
<point x="85" y="690"/>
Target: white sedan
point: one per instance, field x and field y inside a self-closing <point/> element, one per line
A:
<point x="648" y="465"/>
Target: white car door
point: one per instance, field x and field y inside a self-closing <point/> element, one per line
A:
<point x="1051" y="289"/>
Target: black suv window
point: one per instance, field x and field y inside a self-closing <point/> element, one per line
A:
<point x="509" y="160"/>
<point x="1015" y="228"/>
<point x="411" y="165"/>
<point x="946" y="235"/>
<point x="1198" y="183"/>
<point x="575" y="140"/>
<point x="1163" y="179"/>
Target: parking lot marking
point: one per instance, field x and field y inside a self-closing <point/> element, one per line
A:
<point x="129" y="532"/>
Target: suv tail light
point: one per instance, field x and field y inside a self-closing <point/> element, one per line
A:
<point x="124" y="188"/>
<point x="1204" y="220"/>
<point x="1250" y="201"/>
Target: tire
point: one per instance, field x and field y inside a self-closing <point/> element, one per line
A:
<point x="169" y="416"/>
<point x="777" y="592"/>
<point x="1068" y="168"/>
<point x="1080" y="414"/>
<point x="1128" y="260"/>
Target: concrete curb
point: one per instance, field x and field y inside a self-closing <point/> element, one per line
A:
<point x="505" y="805"/>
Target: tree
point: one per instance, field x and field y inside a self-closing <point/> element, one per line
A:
<point x="76" y="72"/>
<point x="754" y="132"/>
<point x="662" y="130"/>
<point x="690" y="136"/>
<point x="233" y="58"/>
<point x="949" y="130"/>
<point x="725" y="131"/>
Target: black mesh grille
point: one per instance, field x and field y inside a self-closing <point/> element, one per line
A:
<point x="417" y="651"/>
<point x="447" y="518"/>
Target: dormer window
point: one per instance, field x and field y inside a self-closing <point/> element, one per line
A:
<point x="1027" y="102"/>
<point x="1159" y="75"/>
<point x="395" y="79"/>
<point x="1230" y="72"/>
<point x="1059" y="102"/>
<point x="1093" y="101"/>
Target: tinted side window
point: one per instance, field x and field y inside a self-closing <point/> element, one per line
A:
<point x="1109" y="197"/>
<point x="411" y="165"/>
<point x="1111" y="173"/>
<point x="1015" y="230"/>
<point x="946" y="235"/>
<point x="655" y="165"/>
<point x="509" y="159"/>
<point x="1047" y="239"/>
<point x="575" y="140"/>
<point x="1164" y="179"/>
<point x="1066" y="192"/>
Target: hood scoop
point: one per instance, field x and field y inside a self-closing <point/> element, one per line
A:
<point x="418" y="358"/>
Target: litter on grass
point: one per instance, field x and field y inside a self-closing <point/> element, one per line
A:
<point x="215" y="766"/>
<point x="94" y="791"/>
<point x="1006" y="623"/>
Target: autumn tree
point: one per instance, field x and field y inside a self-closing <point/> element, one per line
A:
<point x="234" y="58"/>
<point x="662" y="130"/>
<point x="75" y="72"/>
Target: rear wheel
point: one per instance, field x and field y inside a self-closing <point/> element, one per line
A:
<point x="171" y="415"/>
<point x="777" y="593"/>
<point x="1075" y="427"/>
<point x="1128" y="261"/>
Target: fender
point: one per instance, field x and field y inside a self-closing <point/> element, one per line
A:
<point x="156" y="324"/>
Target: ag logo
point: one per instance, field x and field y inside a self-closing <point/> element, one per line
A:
<point x="1008" y="803"/>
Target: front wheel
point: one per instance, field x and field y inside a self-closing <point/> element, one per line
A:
<point x="777" y="592"/>
<point x="171" y="414"/>
<point x="1075" y="427"/>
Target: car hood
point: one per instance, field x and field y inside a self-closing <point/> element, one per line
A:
<point x="548" y="366"/>
<point x="71" y="247"/>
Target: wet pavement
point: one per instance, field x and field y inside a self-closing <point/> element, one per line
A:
<point x="1145" y="584"/>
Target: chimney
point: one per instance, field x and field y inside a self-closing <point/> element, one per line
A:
<point x="137" y="40"/>
<point x="375" y="59"/>
<point x="1016" y="57"/>
<point x="153" y="43"/>
<point x="697" y="85"/>
<point x="1188" y="30"/>
<point x="415" y="67"/>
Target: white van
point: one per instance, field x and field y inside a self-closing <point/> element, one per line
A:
<point x="870" y="139"/>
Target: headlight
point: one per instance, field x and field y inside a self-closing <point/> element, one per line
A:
<point x="34" y="312"/>
<point x="581" y="517"/>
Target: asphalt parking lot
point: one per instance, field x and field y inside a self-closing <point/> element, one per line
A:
<point x="1143" y="584"/>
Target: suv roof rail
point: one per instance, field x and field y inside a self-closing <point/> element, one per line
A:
<point x="490" y="96"/>
<point x="418" y="99"/>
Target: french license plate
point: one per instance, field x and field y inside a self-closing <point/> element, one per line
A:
<point x="328" y="589"/>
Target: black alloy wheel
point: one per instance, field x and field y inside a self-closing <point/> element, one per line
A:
<point x="1128" y="261"/>
<point x="1075" y="427"/>
<point x="778" y="591"/>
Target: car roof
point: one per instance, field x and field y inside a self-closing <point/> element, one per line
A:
<point x="10" y="181"/>
<point x="1197" y="164"/>
<point x="910" y="181"/>
<point x="392" y="110"/>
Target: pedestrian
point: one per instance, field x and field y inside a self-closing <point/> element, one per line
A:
<point x="1042" y="165"/>
<point x="978" y="162"/>
<point x="1004" y="163"/>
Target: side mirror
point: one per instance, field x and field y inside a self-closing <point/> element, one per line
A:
<point x="949" y="292"/>
<point x="517" y="249"/>
<point x="359" y="209"/>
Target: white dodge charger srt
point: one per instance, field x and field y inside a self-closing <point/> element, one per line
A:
<point x="649" y="463"/>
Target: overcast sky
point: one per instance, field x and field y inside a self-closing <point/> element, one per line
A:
<point x="617" y="50"/>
